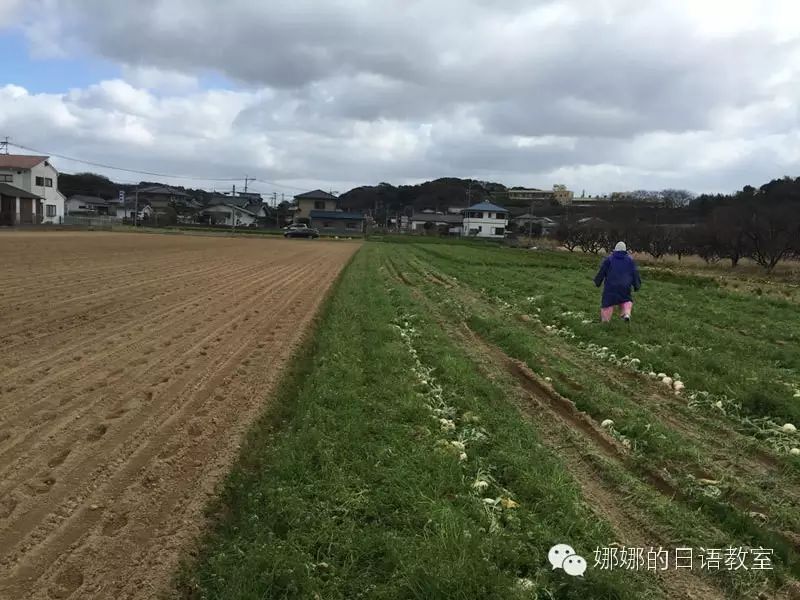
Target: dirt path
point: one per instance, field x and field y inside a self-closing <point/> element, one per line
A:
<point x="130" y="367"/>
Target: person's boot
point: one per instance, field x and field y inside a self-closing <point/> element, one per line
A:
<point x="626" y="318"/>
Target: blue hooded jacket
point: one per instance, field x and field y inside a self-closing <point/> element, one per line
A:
<point x="620" y="273"/>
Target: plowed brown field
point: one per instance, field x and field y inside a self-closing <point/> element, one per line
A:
<point x="130" y="366"/>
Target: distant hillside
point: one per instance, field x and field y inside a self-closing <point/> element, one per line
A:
<point x="92" y="184"/>
<point x="89" y="184"/>
<point x="438" y="194"/>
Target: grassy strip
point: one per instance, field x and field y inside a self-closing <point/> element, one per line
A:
<point x="349" y="487"/>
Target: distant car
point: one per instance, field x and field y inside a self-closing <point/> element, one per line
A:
<point x="300" y="231"/>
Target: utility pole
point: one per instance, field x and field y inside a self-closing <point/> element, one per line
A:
<point x="469" y="195"/>
<point x="530" y="220"/>
<point x="246" y="179"/>
<point x="233" y="211"/>
<point x="136" y="207"/>
<point x="4" y="146"/>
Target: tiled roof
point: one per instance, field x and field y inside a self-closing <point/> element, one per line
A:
<point x="488" y="206"/>
<point x="20" y="161"/>
<point x="315" y="195"/>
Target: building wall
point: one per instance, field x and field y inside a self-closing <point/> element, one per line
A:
<point x="559" y="194"/>
<point x="487" y="226"/>
<point x="338" y="226"/>
<point x="305" y="206"/>
<point x="52" y="197"/>
<point x="17" y="177"/>
<point x="528" y="195"/>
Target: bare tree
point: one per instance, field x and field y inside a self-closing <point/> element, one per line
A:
<point x="566" y="233"/>
<point x="676" y="198"/>
<point x="591" y="238"/>
<point x="730" y="225"/>
<point x="773" y="233"/>
<point x="703" y="242"/>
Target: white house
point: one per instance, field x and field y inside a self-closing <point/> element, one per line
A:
<point x="229" y="214"/>
<point x="36" y="175"/>
<point x="485" y="220"/>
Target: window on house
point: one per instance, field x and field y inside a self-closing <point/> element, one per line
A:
<point x="499" y="230"/>
<point x="352" y="225"/>
<point x="6" y="178"/>
<point x="40" y="181"/>
<point x="48" y="182"/>
<point x="50" y="210"/>
<point x="319" y="204"/>
<point x="327" y="224"/>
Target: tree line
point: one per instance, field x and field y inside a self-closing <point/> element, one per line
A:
<point x="762" y="224"/>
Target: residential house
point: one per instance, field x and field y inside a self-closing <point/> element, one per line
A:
<point x="485" y="220"/>
<point x="528" y="222"/>
<point x="424" y="221"/>
<point x="160" y="197"/>
<point x="321" y="211"/>
<point x="129" y="210"/>
<point x="228" y="213"/>
<point x="247" y="210"/>
<point x="37" y="177"/>
<point x="314" y="200"/>
<point x="91" y="205"/>
<point x="19" y="207"/>
<point x="337" y="222"/>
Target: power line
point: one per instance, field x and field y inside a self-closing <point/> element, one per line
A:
<point x="104" y="166"/>
<point x="289" y="187"/>
<point x="133" y="182"/>
<point x="152" y="173"/>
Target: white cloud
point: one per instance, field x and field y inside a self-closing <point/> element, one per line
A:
<point x="152" y="78"/>
<point x="597" y="94"/>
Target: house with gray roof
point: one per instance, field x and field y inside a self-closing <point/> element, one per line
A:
<point x="485" y="220"/>
<point x="314" y="200"/>
<point x="337" y="222"/>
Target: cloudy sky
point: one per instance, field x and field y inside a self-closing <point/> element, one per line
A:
<point x="600" y="95"/>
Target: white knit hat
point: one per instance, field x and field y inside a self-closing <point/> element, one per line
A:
<point x="620" y="247"/>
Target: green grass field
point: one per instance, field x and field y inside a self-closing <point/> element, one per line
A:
<point x="448" y="423"/>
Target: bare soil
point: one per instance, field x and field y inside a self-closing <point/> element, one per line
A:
<point x="130" y="367"/>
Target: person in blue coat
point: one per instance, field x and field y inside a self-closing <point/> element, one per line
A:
<point x="620" y="274"/>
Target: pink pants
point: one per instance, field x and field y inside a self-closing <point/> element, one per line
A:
<point x="625" y="308"/>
